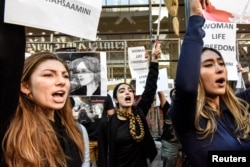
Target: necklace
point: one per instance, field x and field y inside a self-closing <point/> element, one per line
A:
<point x="133" y="120"/>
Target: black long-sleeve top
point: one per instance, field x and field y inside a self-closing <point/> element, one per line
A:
<point x="111" y="127"/>
<point x="168" y="133"/>
<point x="12" y="50"/>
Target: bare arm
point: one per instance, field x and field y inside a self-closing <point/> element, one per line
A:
<point x="162" y="98"/>
<point x="196" y="6"/>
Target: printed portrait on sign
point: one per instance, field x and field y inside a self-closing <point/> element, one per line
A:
<point x="87" y="109"/>
<point x="85" y="73"/>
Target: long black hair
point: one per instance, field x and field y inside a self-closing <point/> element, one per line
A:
<point x="116" y="89"/>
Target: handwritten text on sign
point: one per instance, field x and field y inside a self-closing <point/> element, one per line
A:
<point x="138" y="64"/>
<point x="222" y="36"/>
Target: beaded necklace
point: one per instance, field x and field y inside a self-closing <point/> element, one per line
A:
<point x="133" y="120"/>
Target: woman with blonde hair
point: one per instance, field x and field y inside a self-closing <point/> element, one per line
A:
<point x="209" y="119"/>
<point x="42" y="131"/>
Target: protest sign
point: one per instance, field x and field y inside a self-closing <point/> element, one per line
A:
<point x="228" y="11"/>
<point x="88" y="72"/>
<point x="162" y="82"/>
<point x="222" y="37"/>
<point x="78" y="18"/>
<point x="138" y="64"/>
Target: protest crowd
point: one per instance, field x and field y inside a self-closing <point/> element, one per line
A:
<point x="59" y="109"/>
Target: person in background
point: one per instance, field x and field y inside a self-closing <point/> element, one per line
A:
<point x="86" y="76"/>
<point x="97" y="107"/>
<point x="170" y="143"/>
<point x="124" y="138"/>
<point x="42" y="131"/>
<point x="206" y="114"/>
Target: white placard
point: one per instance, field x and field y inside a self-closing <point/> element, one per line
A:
<point x="222" y="36"/>
<point x="78" y="18"/>
<point x="229" y="11"/>
<point x="138" y="64"/>
<point x="162" y="82"/>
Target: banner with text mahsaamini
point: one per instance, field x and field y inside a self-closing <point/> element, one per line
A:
<point x="77" y="18"/>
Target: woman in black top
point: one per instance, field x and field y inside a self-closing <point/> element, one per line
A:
<point x="124" y="139"/>
<point x="42" y="131"/>
<point x="17" y="151"/>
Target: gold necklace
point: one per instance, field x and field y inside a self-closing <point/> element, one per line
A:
<point x="133" y="120"/>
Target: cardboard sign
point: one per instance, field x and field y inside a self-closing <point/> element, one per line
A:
<point x="162" y="82"/>
<point x="78" y="18"/>
<point x="138" y="64"/>
<point x="222" y="36"/>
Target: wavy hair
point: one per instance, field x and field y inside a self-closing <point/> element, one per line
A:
<point x="237" y="107"/>
<point x="30" y="139"/>
<point x="92" y="63"/>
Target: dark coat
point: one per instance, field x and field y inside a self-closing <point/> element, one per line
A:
<point x="12" y="44"/>
<point x="106" y="141"/>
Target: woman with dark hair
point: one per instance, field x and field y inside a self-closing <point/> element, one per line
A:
<point x="124" y="138"/>
<point x="206" y="114"/>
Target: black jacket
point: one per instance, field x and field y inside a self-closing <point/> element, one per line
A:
<point x="106" y="139"/>
<point x="12" y="51"/>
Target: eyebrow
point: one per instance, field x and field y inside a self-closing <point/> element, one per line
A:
<point x="121" y="89"/>
<point x="208" y="60"/>
<point x="54" y="71"/>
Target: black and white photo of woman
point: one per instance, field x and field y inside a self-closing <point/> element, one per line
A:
<point x="85" y="76"/>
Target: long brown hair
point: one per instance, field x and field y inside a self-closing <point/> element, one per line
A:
<point x="31" y="139"/>
<point x="237" y="107"/>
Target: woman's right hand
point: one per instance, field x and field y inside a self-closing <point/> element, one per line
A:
<point x="156" y="52"/>
<point x="197" y="6"/>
